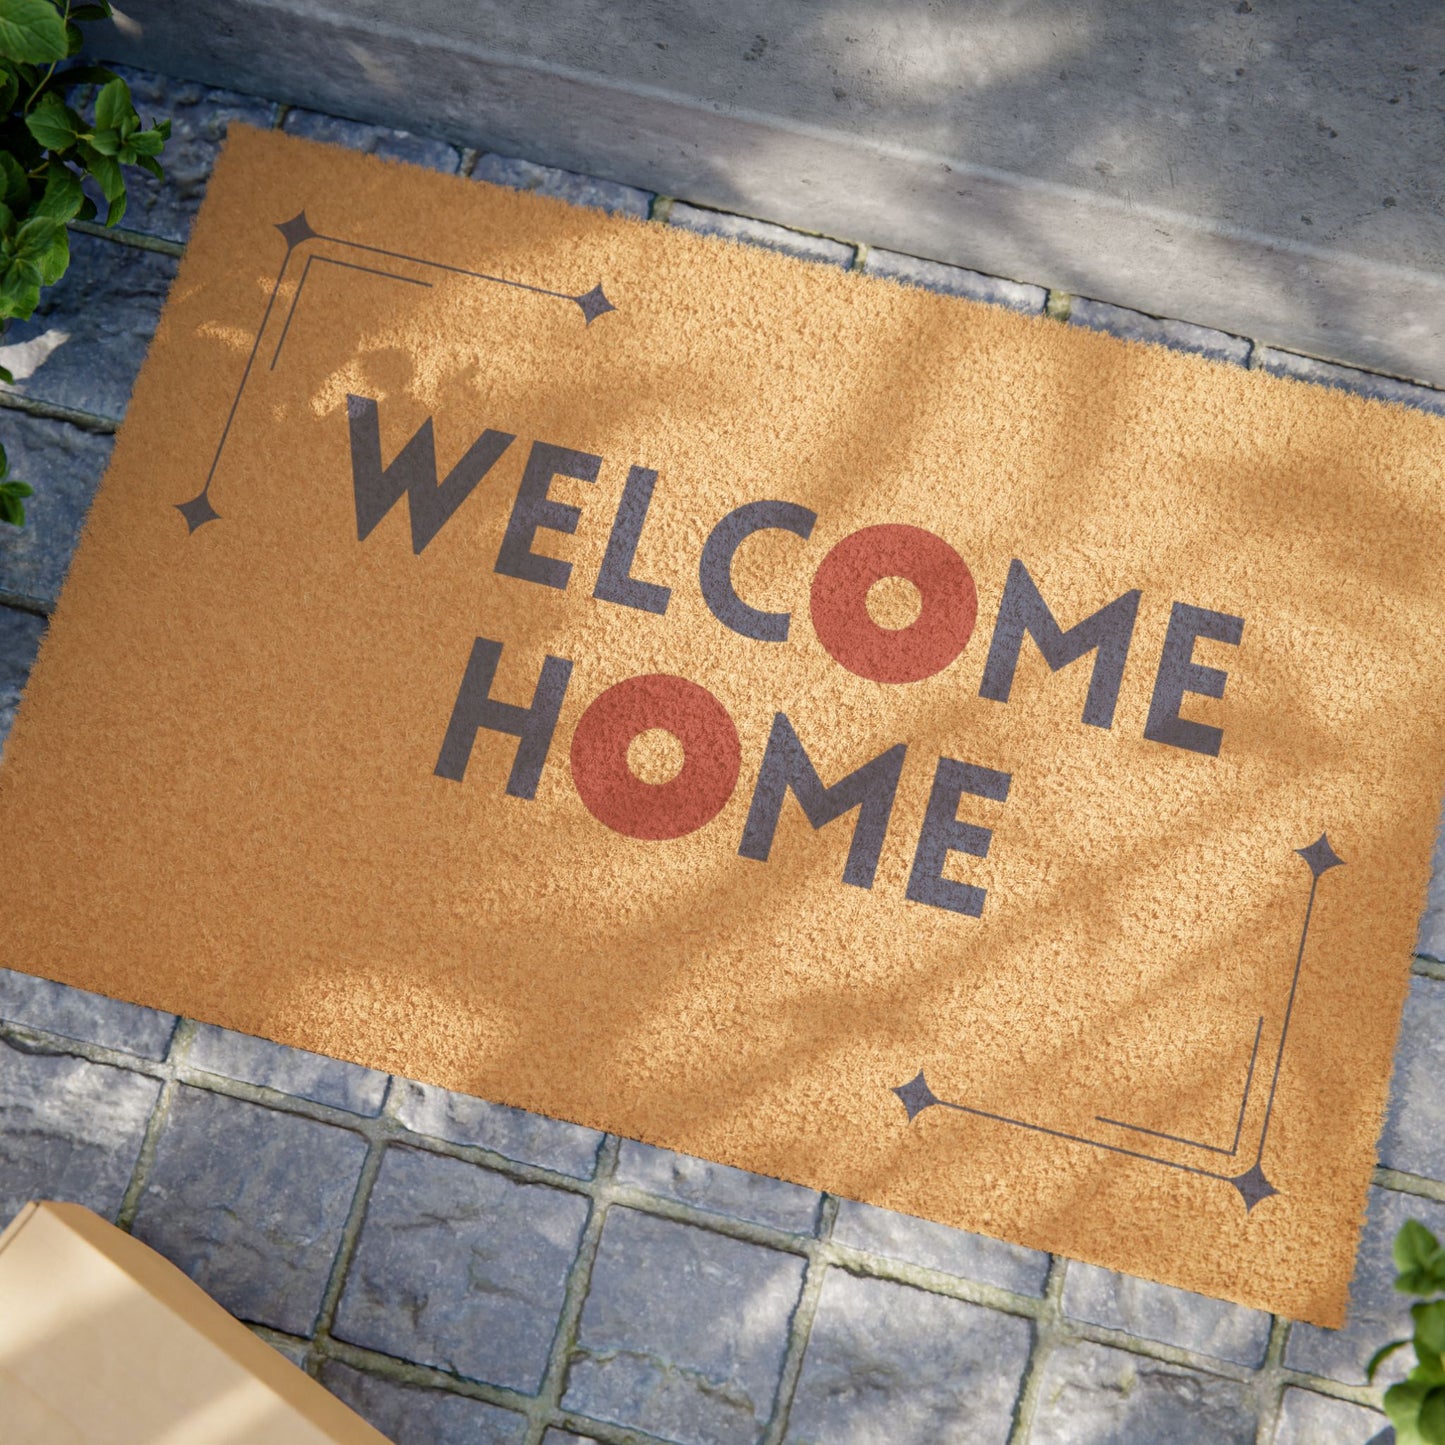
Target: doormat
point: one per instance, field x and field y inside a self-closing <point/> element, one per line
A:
<point x="939" y="756"/>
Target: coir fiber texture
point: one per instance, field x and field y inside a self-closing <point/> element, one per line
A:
<point x="939" y="756"/>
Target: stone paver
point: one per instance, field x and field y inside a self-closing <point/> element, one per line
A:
<point x="64" y="464"/>
<point x="85" y="343"/>
<point x="1414" y="1134"/>
<point x="413" y="1415"/>
<point x="69" y="1129"/>
<point x="90" y="1017"/>
<point x="250" y="1203"/>
<point x="1306" y="1418"/>
<point x="20" y="634"/>
<point x="461" y="1268"/>
<point x="718" y="1187"/>
<point x="761" y="233"/>
<point x="886" y="1362"/>
<point x="199" y="116"/>
<point x="1378" y="1313"/>
<point x="936" y="1246"/>
<point x="513" y="1133"/>
<point x="1346" y="378"/>
<point x="376" y="140"/>
<point x="1177" y="335"/>
<point x="290" y="1071"/>
<point x="1093" y="1395"/>
<point x="953" y="280"/>
<point x="522" y="175"/>
<point x="683" y="1332"/>
<point x="1171" y="1316"/>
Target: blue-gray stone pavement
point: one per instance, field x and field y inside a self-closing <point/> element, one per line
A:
<point x="461" y="1271"/>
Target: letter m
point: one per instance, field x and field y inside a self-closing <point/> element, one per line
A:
<point x="1106" y="633"/>
<point x="412" y="473"/>
<point x="870" y="789"/>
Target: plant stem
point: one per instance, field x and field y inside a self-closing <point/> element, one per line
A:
<point x="45" y="79"/>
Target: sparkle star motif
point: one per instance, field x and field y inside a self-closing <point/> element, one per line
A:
<point x="1253" y="1187"/>
<point x="296" y="230"/>
<point x="916" y="1095"/>
<point x="198" y="511"/>
<point x="1320" y="856"/>
<point x="594" y="303"/>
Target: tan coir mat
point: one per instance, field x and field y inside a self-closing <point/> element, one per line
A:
<point x="939" y="756"/>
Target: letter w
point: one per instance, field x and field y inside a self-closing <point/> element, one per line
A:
<point x="413" y="472"/>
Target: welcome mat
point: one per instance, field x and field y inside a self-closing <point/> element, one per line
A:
<point x="947" y="758"/>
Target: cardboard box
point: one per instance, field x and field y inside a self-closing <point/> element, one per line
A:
<point x="103" y="1342"/>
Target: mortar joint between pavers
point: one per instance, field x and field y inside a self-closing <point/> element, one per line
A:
<point x="180" y="1044"/>
<point x="408" y="1372"/>
<point x="468" y="163"/>
<point x="547" y="1406"/>
<point x="661" y="208"/>
<point x="860" y="255"/>
<point x="1046" y="1326"/>
<point x="1416" y="1184"/>
<point x="18" y="602"/>
<point x="1058" y="304"/>
<point x="124" y="236"/>
<point x="800" y="1324"/>
<point x="49" y="411"/>
<point x="350" y="1234"/>
<point x="1425" y="967"/>
<point x="1269" y="1381"/>
<point x="31" y="1040"/>
<point x="864" y="1264"/>
<point x="1366" y="1395"/>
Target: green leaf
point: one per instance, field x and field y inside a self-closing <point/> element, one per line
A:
<point x="91" y="12"/>
<point x="4" y="460"/>
<point x="17" y="489"/>
<point x="115" y="210"/>
<point x="7" y="222"/>
<point x="53" y="123"/>
<point x="106" y="172"/>
<point x="35" y="237"/>
<point x="113" y="105"/>
<point x="12" y="510"/>
<point x="20" y="289"/>
<point x="147" y="142"/>
<point x="107" y="142"/>
<point x="1402" y="1405"/>
<point x="1430" y="1325"/>
<point x="14" y="186"/>
<point x="9" y="90"/>
<point x="1414" y="1246"/>
<point x="55" y="259"/>
<point x="31" y="30"/>
<point x="87" y="210"/>
<point x="63" y="196"/>
<point x="73" y="38"/>
<point x="1380" y="1356"/>
<point x="1432" y="1417"/>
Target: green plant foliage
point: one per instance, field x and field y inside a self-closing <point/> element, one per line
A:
<point x="1416" y="1406"/>
<point x="47" y="150"/>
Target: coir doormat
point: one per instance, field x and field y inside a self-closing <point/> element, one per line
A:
<point x="939" y="756"/>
